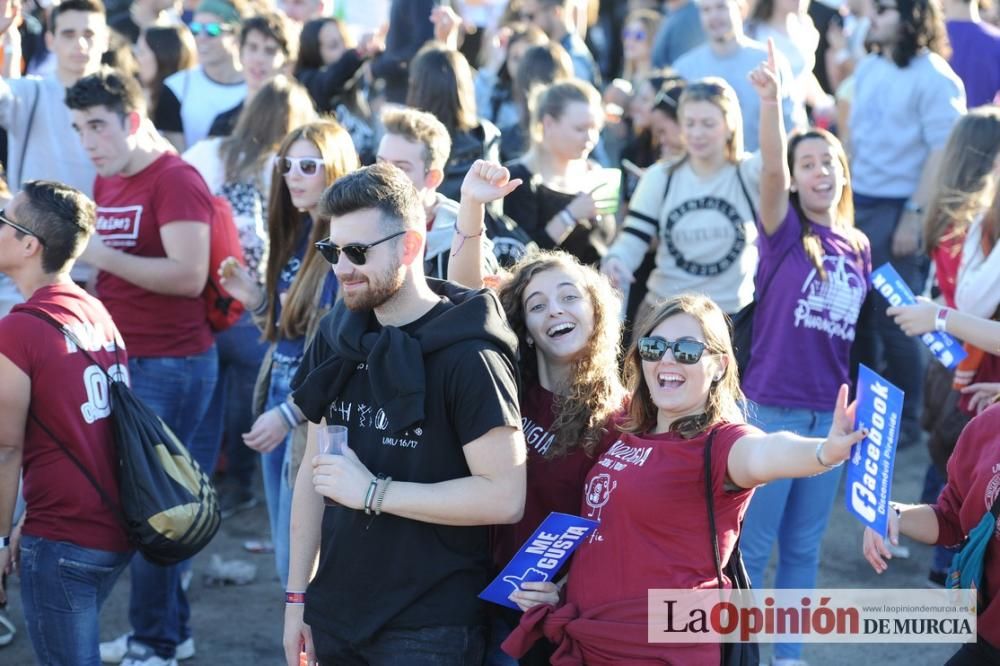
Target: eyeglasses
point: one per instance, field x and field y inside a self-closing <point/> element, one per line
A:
<point x="306" y="166"/>
<point x="653" y="347"/>
<point x="637" y="35"/>
<point x="882" y="9"/>
<point x="357" y="253"/>
<point x="210" y="29"/>
<point x="24" y="230"/>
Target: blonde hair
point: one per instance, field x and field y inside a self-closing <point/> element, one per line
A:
<point x="595" y="392"/>
<point x="967" y="184"/>
<point x="725" y="397"/>
<point x="423" y="128"/>
<point x="554" y="100"/>
<point x="717" y="92"/>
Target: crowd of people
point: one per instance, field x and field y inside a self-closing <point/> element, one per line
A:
<point x="516" y="249"/>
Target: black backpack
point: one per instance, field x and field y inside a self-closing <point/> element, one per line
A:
<point x="169" y="508"/>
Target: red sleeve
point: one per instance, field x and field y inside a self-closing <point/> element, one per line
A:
<point x="725" y="437"/>
<point x="181" y="195"/>
<point x="949" y="504"/>
<point x="14" y="330"/>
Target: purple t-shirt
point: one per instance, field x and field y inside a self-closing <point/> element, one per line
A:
<point x="803" y="325"/>
<point x="975" y="57"/>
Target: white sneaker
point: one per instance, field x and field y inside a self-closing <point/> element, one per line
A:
<point x="185" y="649"/>
<point x="143" y="655"/>
<point x="112" y="652"/>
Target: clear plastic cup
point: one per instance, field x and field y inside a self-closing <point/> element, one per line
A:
<point x="332" y="440"/>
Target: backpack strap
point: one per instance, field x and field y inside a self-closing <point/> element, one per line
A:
<point x="746" y="193"/>
<point x="111" y="504"/>
<point x="27" y="133"/>
<point x="710" y="502"/>
<point x="49" y="319"/>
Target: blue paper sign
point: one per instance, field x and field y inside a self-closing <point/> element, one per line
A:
<point x="869" y="469"/>
<point x="541" y="556"/>
<point x="946" y="349"/>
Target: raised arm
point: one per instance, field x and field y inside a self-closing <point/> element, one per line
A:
<point x="756" y="459"/>
<point x="485" y="182"/>
<point x="775" y="178"/>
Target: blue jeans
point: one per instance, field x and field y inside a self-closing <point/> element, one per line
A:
<point x="63" y="587"/>
<point x="178" y="390"/>
<point x="231" y="408"/>
<point x="880" y="343"/>
<point x="276" y="466"/>
<point x="793" y="512"/>
<point x="428" y="646"/>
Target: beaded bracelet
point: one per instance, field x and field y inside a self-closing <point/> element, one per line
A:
<point x="381" y="496"/>
<point x="295" y="598"/>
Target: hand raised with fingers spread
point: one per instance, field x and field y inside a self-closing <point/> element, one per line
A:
<point x="764" y="78"/>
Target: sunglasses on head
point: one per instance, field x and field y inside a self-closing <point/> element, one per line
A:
<point x="24" y="230"/>
<point x="882" y="9"/>
<point x="210" y="29"/>
<point x="653" y="347"/>
<point x="356" y="253"/>
<point x="307" y="166"/>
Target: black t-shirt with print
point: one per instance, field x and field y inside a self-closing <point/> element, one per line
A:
<point x="387" y="571"/>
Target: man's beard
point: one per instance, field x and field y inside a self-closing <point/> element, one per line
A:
<point x="380" y="289"/>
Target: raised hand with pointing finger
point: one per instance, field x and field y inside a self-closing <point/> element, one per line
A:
<point x="765" y="79"/>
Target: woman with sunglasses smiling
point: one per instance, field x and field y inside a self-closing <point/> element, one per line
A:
<point x="648" y="490"/>
<point x="299" y="288"/>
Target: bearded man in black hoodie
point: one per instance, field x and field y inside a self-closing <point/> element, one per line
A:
<point x="423" y="374"/>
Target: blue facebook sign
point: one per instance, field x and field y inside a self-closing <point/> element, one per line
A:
<point x="541" y="557"/>
<point x="946" y="349"/>
<point x="869" y="469"/>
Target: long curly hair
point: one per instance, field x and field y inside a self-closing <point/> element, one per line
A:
<point x="596" y="392"/>
<point x="966" y="188"/>
<point x="725" y="397"/>
<point x="921" y="25"/>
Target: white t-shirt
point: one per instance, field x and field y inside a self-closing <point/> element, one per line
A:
<point x="190" y="101"/>
<point x="706" y="229"/>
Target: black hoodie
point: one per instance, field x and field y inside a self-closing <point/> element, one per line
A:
<point x="396" y="358"/>
<point x="412" y="398"/>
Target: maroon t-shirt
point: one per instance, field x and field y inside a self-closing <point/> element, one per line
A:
<point x="131" y="210"/>
<point x="553" y="484"/>
<point x="649" y="495"/>
<point x="70" y="396"/>
<point x="973" y="486"/>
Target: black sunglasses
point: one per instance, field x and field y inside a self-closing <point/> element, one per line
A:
<point x="653" y="347"/>
<point x="882" y="9"/>
<point x="24" y="230"/>
<point x="356" y="253"/>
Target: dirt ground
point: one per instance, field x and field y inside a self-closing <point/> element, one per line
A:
<point x="242" y="625"/>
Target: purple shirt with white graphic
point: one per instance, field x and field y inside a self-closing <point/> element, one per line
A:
<point x="804" y="325"/>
